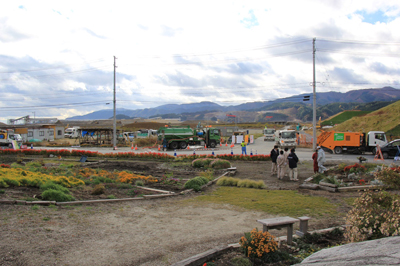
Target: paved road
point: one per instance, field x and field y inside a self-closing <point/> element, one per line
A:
<point x="258" y="147"/>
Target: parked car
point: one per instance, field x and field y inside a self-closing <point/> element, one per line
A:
<point x="390" y="149"/>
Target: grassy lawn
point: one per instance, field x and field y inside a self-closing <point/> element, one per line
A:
<point x="343" y="117"/>
<point x="279" y="202"/>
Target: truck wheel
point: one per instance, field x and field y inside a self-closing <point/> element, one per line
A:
<point x="213" y="144"/>
<point x="182" y="145"/>
<point x="385" y="155"/>
<point x="338" y="150"/>
<point x="174" y="145"/>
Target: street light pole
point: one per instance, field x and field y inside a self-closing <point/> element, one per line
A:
<point x="115" y="111"/>
<point x="314" y="102"/>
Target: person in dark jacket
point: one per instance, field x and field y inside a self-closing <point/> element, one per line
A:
<point x="274" y="155"/>
<point x="293" y="160"/>
<point x="164" y="144"/>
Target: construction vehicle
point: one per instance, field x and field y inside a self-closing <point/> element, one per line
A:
<point x="7" y="137"/>
<point x="286" y="138"/>
<point x="269" y="134"/>
<point x="181" y="137"/>
<point x="351" y="142"/>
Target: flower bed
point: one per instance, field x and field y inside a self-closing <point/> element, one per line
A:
<point x="133" y="155"/>
<point x="358" y="176"/>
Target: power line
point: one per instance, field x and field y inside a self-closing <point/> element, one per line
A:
<point x="47" y="68"/>
<point x="57" y="74"/>
<point x="263" y="47"/>
<point x="358" y="42"/>
<point x="213" y="62"/>
<point x="55" y="105"/>
<point x="353" y="53"/>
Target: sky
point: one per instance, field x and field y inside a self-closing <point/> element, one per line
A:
<point x="57" y="57"/>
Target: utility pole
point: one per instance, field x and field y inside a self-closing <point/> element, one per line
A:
<point x="314" y="102"/>
<point x="115" y="111"/>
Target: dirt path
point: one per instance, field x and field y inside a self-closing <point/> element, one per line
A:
<point x="144" y="232"/>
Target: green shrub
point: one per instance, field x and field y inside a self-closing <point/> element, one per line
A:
<point x="11" y="182"/>
<point x="3" y="183"/>
<point x="317" y="178"/>
<point x="201" y="162"/>
<point x="220" y="164"/>
<point x="52" y="185"/>
<point x="56" y="195"/>
<point x="111" y="197"/>
<point x="331" y="180"/>
<point x="389" y="176"/>
<point x="35" y="207"/>
<point x="139" y="183"/>
<point x="124" y="186"/>
<point x="374" y="215"/>
<point x="2" y="191"/>
<point x="209" y="174"/>
<point x="108" y="181"/>
<point x="98" y="190"/>
<point x="196" y="183"/>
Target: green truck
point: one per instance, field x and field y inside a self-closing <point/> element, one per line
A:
<point x="181" y="137"/>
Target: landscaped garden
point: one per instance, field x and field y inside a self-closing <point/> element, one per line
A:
<point x="248" y="195"/>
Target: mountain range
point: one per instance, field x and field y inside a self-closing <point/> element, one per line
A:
<point x="323" y="98"/>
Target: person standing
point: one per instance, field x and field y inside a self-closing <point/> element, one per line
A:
<point x="243" y="147"/>
<point x="280" y="162"/>
<point x="321" y="160"/>
<point x="315" y="161"/>
<point x="164" y="144"/>
<point x="293" y="160"/>
<point x="274" y="155"/>
<point x="286" y="154"/>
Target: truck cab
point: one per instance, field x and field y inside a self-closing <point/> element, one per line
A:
<point x="7" y="138"/>
<point x="269" y="134"/>
<point x="128" y="136"/>
<point x="286" y="138"/>
<point x="375" y="138"/>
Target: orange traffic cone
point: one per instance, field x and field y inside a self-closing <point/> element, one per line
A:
<point x="205" y="146"/>
<point x="226" y="144"/>
<point x="136" y="147"/>
<point x="188" y="147"/>
<point x="220" y="143"/>
<point x="132" y="147"/>
<point x="159" y="148"/>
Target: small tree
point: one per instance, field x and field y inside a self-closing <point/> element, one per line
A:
<point x="374" y="215"/>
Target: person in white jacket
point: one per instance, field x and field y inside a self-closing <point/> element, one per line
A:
<point x="321" y="160"/>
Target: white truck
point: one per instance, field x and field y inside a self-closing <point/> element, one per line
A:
<point x="269" y="134"/>
<point x="7" y="138"/>
<point x="286" y="138"/>
<point x="72" y="132"/>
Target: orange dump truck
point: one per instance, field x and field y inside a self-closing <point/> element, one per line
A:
<point x="351" y="142"/>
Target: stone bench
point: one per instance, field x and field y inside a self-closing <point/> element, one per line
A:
<point x="303" y="225"/>
<point x="279" y="223"/>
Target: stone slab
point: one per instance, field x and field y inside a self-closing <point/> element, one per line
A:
<point x="384" y="251"/>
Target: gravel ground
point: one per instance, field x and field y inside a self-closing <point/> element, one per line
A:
<point x="144" y="232"/>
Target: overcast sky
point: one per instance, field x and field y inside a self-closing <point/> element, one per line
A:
<point x="56" y="57"/>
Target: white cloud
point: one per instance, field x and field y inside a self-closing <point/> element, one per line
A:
<point x="227" y="48"/>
